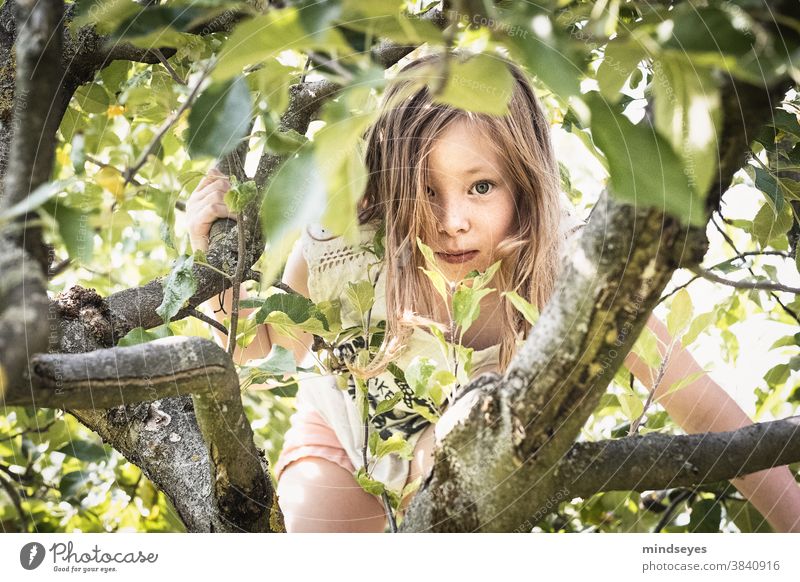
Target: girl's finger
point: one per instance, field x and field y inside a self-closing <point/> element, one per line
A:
<point x="213" y="211"/>
<point x="218" y="186"/>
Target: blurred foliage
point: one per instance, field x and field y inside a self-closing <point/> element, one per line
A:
<point x="635" y="85"/>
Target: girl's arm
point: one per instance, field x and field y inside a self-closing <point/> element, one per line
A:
<point x="295" y="275"/>
<point x="704" y="406"/>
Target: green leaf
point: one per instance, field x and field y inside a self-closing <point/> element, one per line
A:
<point x="484" y="278"/>
<point x="395" y="444"/>
<point x="360" y="295"/>
<point x="622" y="56"/>
<point x="680" y="313"/>
<point x="528" y="310"/>
<point x="92" y="98"/>
<point x="699" y="324"/>
<point x="746" y="517"/>
<point x="240" y="194"/>
<point x="295" y="197"/>
<point x="646" y="347"/>
<point x="332" y="312"/>
<point x="705" y="516"/>
<point x="464" y="358"/>
<point x="683" y="382"/>
<point x="338" y="153"/>
<point x="263" y="37"/>
<point x="631" y="404"/>
<point x="75" y="231"/>
<point x="279" y="361"/>
<point x="768" y="226"/>
<point x="104" y="15"/>
<point x="283" y="324"/>
<point x="73" y="483"/>
<point x="551" y="57"/>
<point x="425" y="413"/>
<point x="85" y="451"/>
<point x="707" y="30"/>
<point x="220" y="118"/>
<point x="34" y="200"/>
<point x="777" y="375"/>
<point x="179" y="286"/>
<point x="439" y="282"/>
<point x="687" y="114"/>
<point x="441" y="384"/>
<point x="418" y="374"/>
<point x="388" y="404"/>
<point x="294" y="305"/>
<point x="481" y="83"/>
<point x="645" y="170"/>
<point x="140" y="335"/>
<point x="427" y="252"/>
<point x="369" y="484"/>
<point x="466" y="305"/>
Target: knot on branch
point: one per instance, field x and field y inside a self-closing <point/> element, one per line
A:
<point x="89" y="308"/>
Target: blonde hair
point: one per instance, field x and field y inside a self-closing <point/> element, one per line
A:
<point x="397" y="148"/>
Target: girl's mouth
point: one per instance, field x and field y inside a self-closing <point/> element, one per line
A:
<point x="458" y="257"/>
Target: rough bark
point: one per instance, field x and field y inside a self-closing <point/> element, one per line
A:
<point x="648" y="462"/>
<point x="120" y="379"/>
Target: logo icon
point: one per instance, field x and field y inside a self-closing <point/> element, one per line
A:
<point x="31" y="555"/>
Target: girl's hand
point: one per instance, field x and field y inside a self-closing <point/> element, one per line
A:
<point x="205" y="205"/>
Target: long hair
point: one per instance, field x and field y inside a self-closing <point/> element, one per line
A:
<point x="397" y="147"/>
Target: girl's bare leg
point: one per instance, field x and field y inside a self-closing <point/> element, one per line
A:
<point x="317" y="495"/>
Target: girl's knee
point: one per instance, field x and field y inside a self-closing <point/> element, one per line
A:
<point x="317" y="495"/>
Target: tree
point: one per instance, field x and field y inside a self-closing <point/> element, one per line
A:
<point x="184" y="81"/>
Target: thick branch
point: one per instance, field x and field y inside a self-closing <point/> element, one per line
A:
<point x="237" y="477"/>
<point x="23" y="296"/>
<point x="657" y="460"/>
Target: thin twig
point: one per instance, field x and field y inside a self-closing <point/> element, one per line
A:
<point x="38" y="429"/>
<point x="667" y="517"/>
<point x="210" y="321"/>
<point x="730" y="242"/>
<point x="237" y="283"/>
<point x="330" y="64"/>
<point x="130" y="173"/>
<point x="760" y="285"/>
<point x="684" y="286"/>
<point x="634" y="429"/>
<point x="388" y="509"/>
<point x="59" y="268"/>
<point x="169" y="68"/>
<point x="15" y="499"/>
<point x="96" y="162"/>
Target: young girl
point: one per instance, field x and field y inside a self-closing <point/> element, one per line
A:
<point x="474" y="188"/>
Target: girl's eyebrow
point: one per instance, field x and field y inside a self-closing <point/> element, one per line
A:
<point x="477" y="170"/>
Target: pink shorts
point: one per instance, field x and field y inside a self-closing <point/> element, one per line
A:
<point x="310" y="436"/>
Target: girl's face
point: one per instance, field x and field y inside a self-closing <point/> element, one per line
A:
<point x="472" y="198"/>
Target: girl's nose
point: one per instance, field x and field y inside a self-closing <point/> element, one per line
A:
<point x="453" y="219"/>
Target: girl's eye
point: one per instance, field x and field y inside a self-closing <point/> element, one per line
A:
<point x="483" y="187"/>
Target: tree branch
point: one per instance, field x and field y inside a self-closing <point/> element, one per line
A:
<point x="23" y="256"/>
<point x="243" y="498"/>
<point x="648" y="462"/>
<point x="761" y="285"/>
